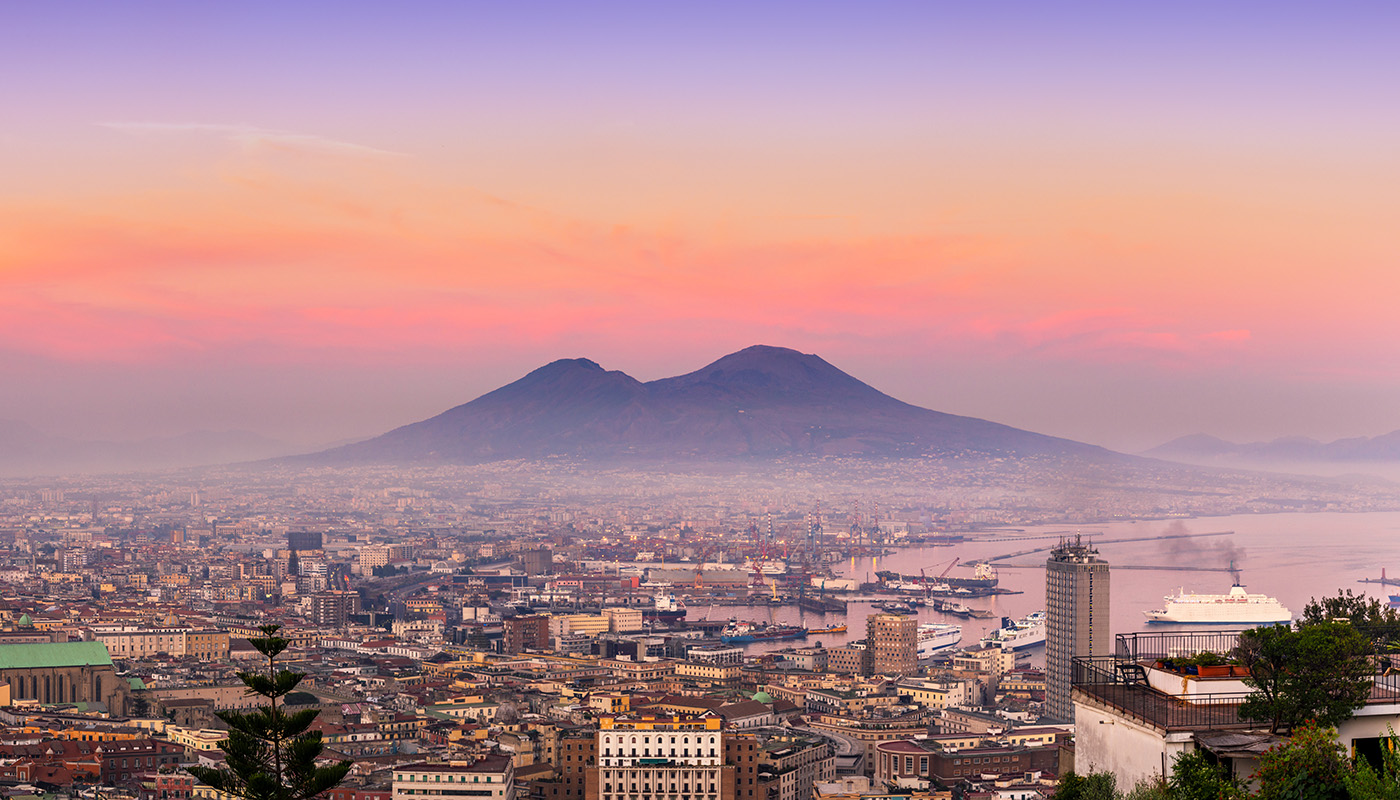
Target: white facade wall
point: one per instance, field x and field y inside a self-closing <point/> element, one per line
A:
<point x="1107" y="742"/>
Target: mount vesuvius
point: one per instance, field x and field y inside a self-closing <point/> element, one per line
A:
<point x="760" y="402"/>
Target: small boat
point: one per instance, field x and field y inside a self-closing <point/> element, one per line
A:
<point x="832" y="629"/>
<point x="894" y="607"/>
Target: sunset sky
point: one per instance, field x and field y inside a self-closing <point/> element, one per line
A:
<point x="1116" y="222"/>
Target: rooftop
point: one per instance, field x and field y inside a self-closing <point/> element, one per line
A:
<point x="53" y="654"/>
<point x="1121" y="682"/>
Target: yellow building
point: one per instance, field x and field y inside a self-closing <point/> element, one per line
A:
<point x="195" y="739"/>
<point x="705" y="670"/>
<point x="610" y="703"/>
<point x="587" y="624"/>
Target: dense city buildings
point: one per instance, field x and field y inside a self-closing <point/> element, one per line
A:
<point x="506" y="641"/>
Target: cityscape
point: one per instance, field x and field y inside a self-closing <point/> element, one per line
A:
<point x="627" y="401"/>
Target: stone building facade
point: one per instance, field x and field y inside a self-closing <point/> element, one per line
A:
<point x="70" y="672"/>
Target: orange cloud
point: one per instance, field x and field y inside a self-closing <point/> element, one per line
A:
<point x="276" y="254"/>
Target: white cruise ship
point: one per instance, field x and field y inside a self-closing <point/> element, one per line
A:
<point x="936" y="636"/>
<point x="1236" y="608"/>
<point x="1027" y="631"/>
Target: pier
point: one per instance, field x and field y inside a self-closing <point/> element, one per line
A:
<point x="1097" y="542"/>
<point x="1382" y="580"/>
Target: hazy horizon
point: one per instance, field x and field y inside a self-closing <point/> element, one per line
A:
<point x="318" y="223"/>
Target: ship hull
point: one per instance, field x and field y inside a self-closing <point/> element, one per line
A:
<point x="1165" y="619"/>
<point x="746" y="638"/>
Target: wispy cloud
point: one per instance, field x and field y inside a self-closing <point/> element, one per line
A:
<point x="254" y="138"/>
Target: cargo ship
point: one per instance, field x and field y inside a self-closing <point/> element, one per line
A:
<point x="1027" y="631"/>
<point x="984" y="577"/>
<point x="744" y="632"/>
<point x="936" y="636"/>
<point x="1236" y="608"/>
<point x="832" y="629"/>
<point x="665" y="608"/>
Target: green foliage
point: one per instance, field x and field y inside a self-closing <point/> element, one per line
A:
<point x="1318" y="672"/>
<point x="1347" y="605"/>
<point x="1150" y="789"/>
<point x="1195" y="777"/>
<point x="1365" y="782"/>
<point x="1310" y="766"/>
<point x="1094" y="786"/>
<point x="271" y="755"/>
<point x="1205" y="658"/>
<point x="1377" y="621"/>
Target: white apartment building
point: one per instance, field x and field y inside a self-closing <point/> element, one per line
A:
<point x="491" y="778"/>
<point x="673" y="758"/>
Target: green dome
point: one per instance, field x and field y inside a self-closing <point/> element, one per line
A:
<point x="763" y="697"/>
<point x="25" y="620"/>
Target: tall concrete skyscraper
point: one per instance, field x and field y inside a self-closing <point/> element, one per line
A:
<point x="1076" y="619"/>
<point x="893" y="640"/>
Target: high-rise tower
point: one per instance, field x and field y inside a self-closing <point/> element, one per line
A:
<point x="893" y="640"/>
<point x="1076" y="619"/>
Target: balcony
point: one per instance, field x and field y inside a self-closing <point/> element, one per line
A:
<point x="1135" y="682"/>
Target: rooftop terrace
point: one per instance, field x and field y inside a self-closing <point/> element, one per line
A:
<point x="1125" y="681"/>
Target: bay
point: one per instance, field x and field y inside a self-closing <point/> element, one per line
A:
<point x="1293" y="557"/>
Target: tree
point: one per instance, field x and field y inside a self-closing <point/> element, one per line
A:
<point x="1194" y="777"/>
<point x="1094" y="786"/>
<point x="1319" y="672"/>
<point x="1310" y="766"/>
<point x="1376" y="621"/>
<point x="270" y="754"/>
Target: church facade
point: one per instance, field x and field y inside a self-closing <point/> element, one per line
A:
<point x="67" y="672"/>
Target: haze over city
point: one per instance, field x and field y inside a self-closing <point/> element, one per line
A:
<point x="712" y="401"/>
<point x="319" y="222"/>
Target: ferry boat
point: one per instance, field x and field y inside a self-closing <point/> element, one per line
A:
<point x="1028" y="631"/>
<point x="936" y="636"/>
<point x="742" y="632"/>
<point x="832" y="629"/>
<point x="1236" y="608"/>
<point x="665" y="608"/>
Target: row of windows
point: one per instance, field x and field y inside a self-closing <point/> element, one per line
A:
<point x="988" y="760"/>
<point x="646" y="751"/>
<point x="684" y="771"/>
<point x="607" y="739"/>
<point x="453" y="792"/>
<point x="437" y="778"/>
<point x="647" y="787"/>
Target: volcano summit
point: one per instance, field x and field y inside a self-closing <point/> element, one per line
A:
<point x="761" y="402"/>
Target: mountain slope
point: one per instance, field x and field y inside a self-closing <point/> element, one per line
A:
<point x="1289" y="449"/>
<point x="759" y="402"/>
<point x="27" y="451"/>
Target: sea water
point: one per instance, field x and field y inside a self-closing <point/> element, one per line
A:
<point x="1292" y="557"/>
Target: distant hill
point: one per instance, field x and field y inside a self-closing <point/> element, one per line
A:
<point x="759" y="402"/>
<point x="1199" y="448"/>
<point x="27" y="451"/>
